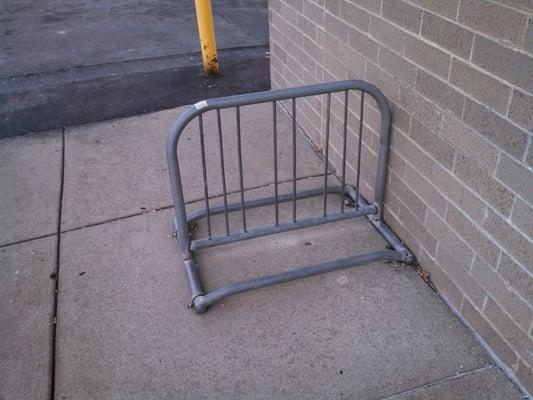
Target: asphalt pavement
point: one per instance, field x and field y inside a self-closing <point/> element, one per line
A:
<point x="68" y="63"/>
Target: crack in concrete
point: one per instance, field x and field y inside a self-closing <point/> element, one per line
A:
<point x="434" y="383"/>
<point x="157" y="209"/>
<point x="56" y="289"/>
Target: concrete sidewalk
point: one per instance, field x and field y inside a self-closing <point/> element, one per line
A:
<point x="94" y="201"/>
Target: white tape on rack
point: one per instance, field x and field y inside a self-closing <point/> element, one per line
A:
<point x="200" y="105"/>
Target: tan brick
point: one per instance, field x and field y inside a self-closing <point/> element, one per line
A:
<point x="528" y="38"/>
<point x="455" y="268"/>
<point x="275" y="35"/>
<point x="276" y="20"/>
<point x="400" y="118"/>
<point x="522" y="216"/>
<point x="289" y="46"/>
<point x="519" y="340"/>
<point x="412" y="243"/>
<point x="458" y="194"/>
<point x="314" y="12"/>
<point x="484" y="184"/>
<point x="439" y="92"/>
<point x="386" y="82"/>
<point x="363" y="45"/>
<point x="516" y="177"/>
<point x="292" y="34"/>
<point x="469" y="142"/>
<point x="525" y="374"/>
<point x="407" y="150"/>
<point x="278" y="52"/>
<point x="307" y="27"/>
<point x="488" y="333"/>
<point x="516" y="307"/>
<point x="298" y="5"/>
<point x="517" y="277"/>
<point x="392" y="204"/>
<point x="306" y="62"/>
<point x="336" y="27"/>
<point x="420" y="108"/>
<point x="313" y="50"/>
<point x="481" y="86"/>
<point x="418" y="230"/>
<point x="525" y="5"/>
<point x="397" y="66"/>
<point x="521" y="110"/>
<point x="353" y="60"/>
<point x="293" y="65"/>
<point x="510" y="239"/>
<point x="460" y="252"/>
<point x="472" y="235"/>
<point x="447" y="183"/>
<point x="274" y="5"/>
<point x="331" y="44"/>
<point x="370" y="5"/>
<point x="434" y="145"/>
<point x="355" y="16"/>
<point x="427" y="56"/>
<point x="529" y="155"/>
<point x="333" y="7"/>
<point x="499" y="22"/>
<point x="506" y="63"/>
<point x="424" y="190"/>
<point x="335" y="68"/>
<point x="407" y="197"/>
<point x="472" y="206"/>
<point x="447" y="8"/>
<point x="403" y="14"/>
<point x="289" y="14"/>
<point x="444" y="284"/>
<point x="447" y="34"/>
<point x="491" y="126"/>
<point x="386" y="33"/>
<point x="395" y="163"/>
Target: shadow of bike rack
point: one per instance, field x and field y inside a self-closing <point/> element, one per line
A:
<point x="373" y="210"/>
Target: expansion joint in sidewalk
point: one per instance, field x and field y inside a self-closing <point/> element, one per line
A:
<point x="439" y="381"/>
<point x="169" y="206"/>
<point x="56" y="289"/>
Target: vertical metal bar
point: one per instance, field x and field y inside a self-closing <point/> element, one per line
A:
<point x="344" y="137"/>
<point x="326" y="161"/>
<point x="225" y="193"/>
<point x="293" y="159"/>
<point x="239" y="151"/>
<point x="275" y="134"/>
<point x="204" y="174"/>
<point x="359" y="146"/>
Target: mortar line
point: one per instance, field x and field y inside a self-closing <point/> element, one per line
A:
<point x="56" y="288"/>
<point x="438" y="381"/>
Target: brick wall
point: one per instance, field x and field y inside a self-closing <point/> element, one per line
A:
<point x="459" y="76"/>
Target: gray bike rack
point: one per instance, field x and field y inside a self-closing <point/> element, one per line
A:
<point x="373" y="210"/>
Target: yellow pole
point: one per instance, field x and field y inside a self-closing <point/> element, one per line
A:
<point x="207" y="36"/>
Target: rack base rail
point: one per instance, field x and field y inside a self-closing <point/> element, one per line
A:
<point x="373" y="210"/>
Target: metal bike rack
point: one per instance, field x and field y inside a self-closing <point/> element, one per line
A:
<point x="373" y="210"/>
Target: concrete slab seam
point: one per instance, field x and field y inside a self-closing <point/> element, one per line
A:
<point x="56" y="290"/>
<point x="431" y="384"/>
<point x="484" y="345"/>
